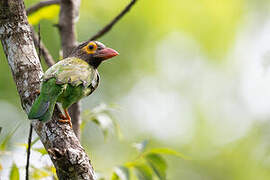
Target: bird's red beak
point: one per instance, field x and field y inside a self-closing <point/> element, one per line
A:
<point x="107" y="53"/>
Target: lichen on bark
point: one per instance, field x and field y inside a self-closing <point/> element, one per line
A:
<point x="64" y="149"/>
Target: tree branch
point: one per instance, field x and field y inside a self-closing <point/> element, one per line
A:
<point x="28" y="152"/>
<point x="68" y="156"/>
<point x="40" y="5"/>
<point x="75" y="114"/>
<point x="67" y="17"/>
<point x="43" y="50"/>
<point x="68" y="14"/>
<point x="109" y="26"/>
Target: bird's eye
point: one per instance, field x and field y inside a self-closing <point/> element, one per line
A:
<point x="90" y="48"/>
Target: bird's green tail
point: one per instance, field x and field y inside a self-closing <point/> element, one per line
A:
<point x="43" y="106"/>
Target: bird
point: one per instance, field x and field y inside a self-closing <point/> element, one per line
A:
<point x="69" y="80"/>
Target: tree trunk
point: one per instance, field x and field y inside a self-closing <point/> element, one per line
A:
<point x="64" y="149"/>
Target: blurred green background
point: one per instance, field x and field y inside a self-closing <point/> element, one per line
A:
<point x="192" y="76"/>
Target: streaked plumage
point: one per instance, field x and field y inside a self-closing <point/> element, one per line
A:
<point x="70" y="79"/>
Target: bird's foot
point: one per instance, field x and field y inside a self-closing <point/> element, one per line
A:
<point x="64" y="119"/>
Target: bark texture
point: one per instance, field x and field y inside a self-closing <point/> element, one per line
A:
<point x="64" y="149"/>
<point x="40" y="5"/>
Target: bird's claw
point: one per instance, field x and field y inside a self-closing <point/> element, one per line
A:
<point x="64" y="119"/>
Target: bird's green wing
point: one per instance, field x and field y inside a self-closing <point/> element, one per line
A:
<point x="43" y="106"/>
<point x="72" y="71"/>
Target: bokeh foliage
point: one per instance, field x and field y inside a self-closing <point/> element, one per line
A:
<point x="185" y="49"/>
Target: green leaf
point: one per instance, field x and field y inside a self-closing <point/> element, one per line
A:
<point x="52" y="171"/>
<point x="105" y="123"/>
<point x="158" y="165"/>
<point x="141" y="146"/>
<point x="142" y="171"/>
<point x="121" y="173"/>
<point x="48" y="12"/>
<point x="32" y="143"/>
<point x="102" y="117"/>
<point x="100" y="176"/>
<point x="4" y="144"/>
<point x="104" y="108"/>
<point x="38" y="173"/>
<point x="14" y="173"/>
<point x="82" y="126"/>
<point x="117" y="129"/>
<point x="35" y="141"/>
<point x="115" y="176"/>
<point x="167" y="151"/>
<point x="42" y="151"/>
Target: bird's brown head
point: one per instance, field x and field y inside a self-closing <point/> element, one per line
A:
<point x="93" y="52"/>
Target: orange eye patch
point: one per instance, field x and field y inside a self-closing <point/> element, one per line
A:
<point x="90" y="48"/>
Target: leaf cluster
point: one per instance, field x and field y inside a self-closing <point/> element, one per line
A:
<point x="149" y="164"/>
<point x="102" y="116"/>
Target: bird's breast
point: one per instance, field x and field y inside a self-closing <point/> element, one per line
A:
<point x="92" y="87"/>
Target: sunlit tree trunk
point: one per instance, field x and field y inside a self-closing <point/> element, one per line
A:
<point x="63" y="147"/>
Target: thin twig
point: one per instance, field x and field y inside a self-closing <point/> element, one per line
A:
<point x="39" y="42"/>
<point x="109" y="26"/>
<point x="66" y="26"/>
<point x="40" y="5"/>
<point x="43" y="50"/>
<point x="28" y="152"/>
